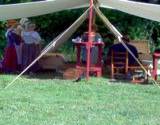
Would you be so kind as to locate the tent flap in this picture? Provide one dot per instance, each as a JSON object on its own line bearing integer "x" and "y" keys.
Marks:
{"x": 144, "y": 10}
{"x": 30, "y": 9}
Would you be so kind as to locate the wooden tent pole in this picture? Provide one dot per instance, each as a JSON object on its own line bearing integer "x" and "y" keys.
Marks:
{"x": 89, "y": 44}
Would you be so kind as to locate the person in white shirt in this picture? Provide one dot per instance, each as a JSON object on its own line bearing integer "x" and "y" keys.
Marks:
{"x": 31, "y": 47}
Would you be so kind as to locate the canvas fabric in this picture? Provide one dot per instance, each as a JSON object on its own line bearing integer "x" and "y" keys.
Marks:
{"x": 144, "y": 10}
{"x": 30, "y": 9}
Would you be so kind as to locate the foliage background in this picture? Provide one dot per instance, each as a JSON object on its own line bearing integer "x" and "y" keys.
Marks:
{"x": 50, "y": 25}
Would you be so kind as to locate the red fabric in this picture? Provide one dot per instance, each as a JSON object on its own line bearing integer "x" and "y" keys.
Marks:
{"x": 10, "y": 59}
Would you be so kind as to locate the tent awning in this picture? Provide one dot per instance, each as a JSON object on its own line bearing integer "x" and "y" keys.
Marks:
{"x": 144, "y": 10}
{"x": 30, "y": 9}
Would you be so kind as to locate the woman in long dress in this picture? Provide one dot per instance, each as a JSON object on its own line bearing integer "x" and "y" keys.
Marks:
{"x": 9, "y": 62}
{"x": 31, "y": 47}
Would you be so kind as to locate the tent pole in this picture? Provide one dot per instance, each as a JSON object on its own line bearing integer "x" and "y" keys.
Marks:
{"x": 89, "y": 43}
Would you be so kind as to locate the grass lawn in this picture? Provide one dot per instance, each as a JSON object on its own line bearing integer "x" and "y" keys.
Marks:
{"x": 62, "y": 102}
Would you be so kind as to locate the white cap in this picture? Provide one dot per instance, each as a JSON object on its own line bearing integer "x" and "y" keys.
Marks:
{"x": 23, "y": 21}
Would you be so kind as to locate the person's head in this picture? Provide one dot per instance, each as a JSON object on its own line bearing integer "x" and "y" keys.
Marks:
{"x": 23, "y": 21}
{"x": 31, "y": 27}
{"x": 125, "y": 39}
{"x": 11, "y": 23}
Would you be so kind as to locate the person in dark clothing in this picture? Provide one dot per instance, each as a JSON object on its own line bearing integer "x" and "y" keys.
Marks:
{"x": 9, "y": 62}
{"x": 120, "y": 48}
{"x": 96, "y": 37}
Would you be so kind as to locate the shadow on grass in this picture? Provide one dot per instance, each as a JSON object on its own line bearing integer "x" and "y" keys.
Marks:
{"x": 53, "y": 74}
{"x": 44, "y": 74}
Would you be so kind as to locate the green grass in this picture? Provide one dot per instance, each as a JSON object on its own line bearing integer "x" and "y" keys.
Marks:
{"x": 62, "y": 102}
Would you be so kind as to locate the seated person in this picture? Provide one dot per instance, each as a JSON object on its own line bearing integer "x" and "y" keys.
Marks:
{"x": 96, "y": 37}
{"x": 120, "y": 48}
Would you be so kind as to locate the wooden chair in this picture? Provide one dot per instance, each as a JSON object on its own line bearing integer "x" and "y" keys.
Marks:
{"x": 119, "y": 63}
{"x": 121, "y": 67}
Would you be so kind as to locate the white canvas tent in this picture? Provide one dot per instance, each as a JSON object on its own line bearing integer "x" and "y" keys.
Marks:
{"x": 14, "y": 11}
{"x": 29, "y": 9}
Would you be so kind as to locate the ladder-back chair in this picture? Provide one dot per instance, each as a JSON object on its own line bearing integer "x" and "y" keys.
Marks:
{"x": 119, "y": 63}
{"x": 120, "y": 67}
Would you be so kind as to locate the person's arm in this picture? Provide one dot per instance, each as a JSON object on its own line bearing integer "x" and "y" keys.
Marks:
{"x": 18, "y": 39}
{"x": 13, "y": 38}
{"x": 97, "y": 37}
{"x": 37, "y": 37}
